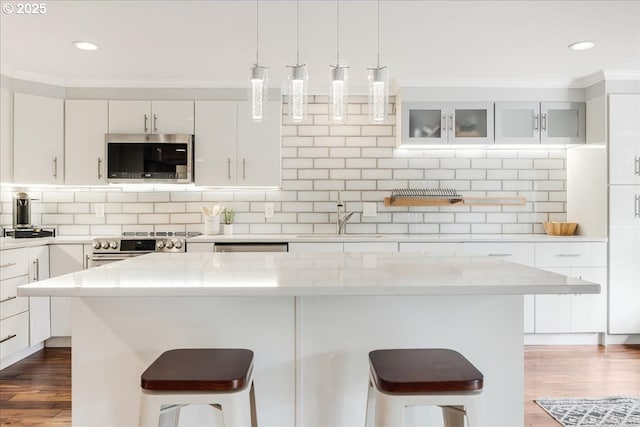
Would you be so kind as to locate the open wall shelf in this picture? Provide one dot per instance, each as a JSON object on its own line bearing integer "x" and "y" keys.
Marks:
{"x": 458, "y": 201}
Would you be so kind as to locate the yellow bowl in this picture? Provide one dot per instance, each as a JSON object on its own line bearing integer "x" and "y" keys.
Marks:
{"x": 560, "y": 228}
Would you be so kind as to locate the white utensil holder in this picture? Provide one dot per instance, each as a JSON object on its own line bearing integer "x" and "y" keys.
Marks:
{"x": 212, "y": 224}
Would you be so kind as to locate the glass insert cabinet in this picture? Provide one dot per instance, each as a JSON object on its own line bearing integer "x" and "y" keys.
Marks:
{"x": 540, "y": 122}
{"x": 439, "y": 123}
{"x": 424, "y": 123}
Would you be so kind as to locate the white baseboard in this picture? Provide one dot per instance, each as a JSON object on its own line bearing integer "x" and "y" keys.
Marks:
{"x": 623, "y": 339}
{"x": 58, "y": 342}
{"x": 562, "y": 339}
{"x": 18, "y": 356}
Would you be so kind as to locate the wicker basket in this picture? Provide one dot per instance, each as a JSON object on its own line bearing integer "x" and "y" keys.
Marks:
{"x": 560, "y": 228}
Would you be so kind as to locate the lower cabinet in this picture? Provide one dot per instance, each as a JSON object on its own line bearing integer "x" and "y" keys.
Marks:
{"x": 573, "y": 313}
{"x": 24, "y": 321}
{"x": 65, "y": 259}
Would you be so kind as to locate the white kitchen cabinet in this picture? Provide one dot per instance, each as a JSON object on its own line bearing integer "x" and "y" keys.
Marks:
{"x": 624, "y": 139}
{"x": 14, "y": 334}
{"x": 65, "y": 259}
{"x": 6, "y": 135}
{"x": 534, "y": 122}
{"x": 151, "y": 117}
{"x": 232, "y": 150}
{"x": 432, "y": 249}
{"x": 39, "y": 307}
{"x": 572, "y": 313}
{"x": 86, "y": 123}
{"x": 199, "y": 247}
{"x": 624, "y": 259}
{"x": 38, "y": 148}
{"x": 370, "y": 247}
{"x": 440, "y": 123}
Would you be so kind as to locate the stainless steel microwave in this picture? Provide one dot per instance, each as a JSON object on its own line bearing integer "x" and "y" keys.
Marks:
{"x": 160, "y": 158}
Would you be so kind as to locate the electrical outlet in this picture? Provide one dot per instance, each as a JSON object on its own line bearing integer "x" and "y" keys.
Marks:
{"x": 98, "y": 208}
{"x": 268, "y": 210}
{"x": 369, "y": 209}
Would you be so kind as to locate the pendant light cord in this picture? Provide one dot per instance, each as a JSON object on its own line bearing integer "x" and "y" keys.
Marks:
{"x": 257, "y": 37}
{"x": 337, "y": 33}
{"x": 297, "y": 32}
{"x": 378, "y": 33}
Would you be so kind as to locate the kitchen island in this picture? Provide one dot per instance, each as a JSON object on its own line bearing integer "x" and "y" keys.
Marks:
{"x": 310, "y": 318}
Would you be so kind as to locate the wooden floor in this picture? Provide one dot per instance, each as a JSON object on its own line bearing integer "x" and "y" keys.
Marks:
{"x": 37, "y": 390}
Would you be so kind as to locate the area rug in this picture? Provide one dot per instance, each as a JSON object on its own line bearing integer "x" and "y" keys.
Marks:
{"x": 605, "y": 411}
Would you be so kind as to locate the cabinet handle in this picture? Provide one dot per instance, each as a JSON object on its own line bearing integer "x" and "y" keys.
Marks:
{"x": 450, "y": 122}
{"x": 637, "y": 207}
{"x": 36, "y": 270}
{"x": 500, "y": 255}
{"x": 99, "y": 168}
{"x": 155, "y": 123}
{"x": 146, "y": 128}
{"x": 228, "y": 168}
{"x": 536, "y": 121}
{"x": 8, "y": 299}
{"x": 637, "y": 165}
{"x": 7, "y": 265}
{"x": 8, "y": 338}
{"x": 55, "y": 167}
{"x": 87, "y": 258}
{"x": 544, "y": 122}
{"x": 568, "y": 255}
{"x": 244, "y": 169}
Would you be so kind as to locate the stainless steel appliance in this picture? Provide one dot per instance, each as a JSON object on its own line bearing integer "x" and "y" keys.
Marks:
{"x": 251, "y": 247}
{"x": 21, "y": 211}
{"x": 107, "y": 250}
{"x": 149, "y": 158}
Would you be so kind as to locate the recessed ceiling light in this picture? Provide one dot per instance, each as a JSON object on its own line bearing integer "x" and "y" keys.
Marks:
{"x": 85, "y": 45}
{"x": 582, "y": 45}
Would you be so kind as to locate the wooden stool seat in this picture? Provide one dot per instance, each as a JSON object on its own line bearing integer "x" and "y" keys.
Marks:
{"x": 199, "y": 369}
{"x": 400, "y": 378}
{"x": 423, "y": 370}
{"x": 219, "y": 377}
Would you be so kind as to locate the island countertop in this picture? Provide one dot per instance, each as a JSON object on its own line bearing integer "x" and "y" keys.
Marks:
{"x": 308, "y": 274}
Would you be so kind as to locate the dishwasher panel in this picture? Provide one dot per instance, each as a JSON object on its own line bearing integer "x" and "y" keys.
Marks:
{"x": 251, "y": 247}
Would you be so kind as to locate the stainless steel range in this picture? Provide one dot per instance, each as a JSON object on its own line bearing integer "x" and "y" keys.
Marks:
{"x": 112, "y": 249}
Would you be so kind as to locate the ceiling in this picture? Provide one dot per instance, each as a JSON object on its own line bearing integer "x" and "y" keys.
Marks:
{"x": 212, "y": 43}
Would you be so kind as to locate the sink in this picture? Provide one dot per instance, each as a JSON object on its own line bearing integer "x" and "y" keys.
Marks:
{"x": 340, "y": 236}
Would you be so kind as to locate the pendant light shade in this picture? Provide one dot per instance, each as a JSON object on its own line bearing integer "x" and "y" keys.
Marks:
{"x": 298, "y": 85}
{"x": 258, "y": 83}
{"x": 338, "y": 87}
{"x": 378, "y": 87}
{"x": 298, "y": 80}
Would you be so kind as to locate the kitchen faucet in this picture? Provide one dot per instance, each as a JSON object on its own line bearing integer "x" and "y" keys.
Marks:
{"x": 341, "y": 219}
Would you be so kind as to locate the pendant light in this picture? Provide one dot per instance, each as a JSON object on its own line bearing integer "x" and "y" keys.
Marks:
{"x": 258, "y": 82}
{"x": 298, "y": 80}
{"x": 338, "y": 92}
{"x": 378, "y": 87}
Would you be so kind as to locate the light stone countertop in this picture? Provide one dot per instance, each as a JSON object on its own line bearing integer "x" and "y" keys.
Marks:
{"x": 307, "y": 274}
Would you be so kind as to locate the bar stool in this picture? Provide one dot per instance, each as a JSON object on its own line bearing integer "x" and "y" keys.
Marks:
{"x": 421, "y": 377}
{"x": 222, "y": 378}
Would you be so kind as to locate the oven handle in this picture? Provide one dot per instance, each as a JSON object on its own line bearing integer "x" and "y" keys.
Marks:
{"x": 114, "y": 257}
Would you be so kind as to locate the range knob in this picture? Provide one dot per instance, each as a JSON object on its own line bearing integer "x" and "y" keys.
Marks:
{"x": 160, "y": 244}
{"x": 169, "y": 244}
{"x": 113, "y": 244}
{"x": 96, "y": 244}
{"x": 104, "y": 245}
{"x": 178, "y": 244}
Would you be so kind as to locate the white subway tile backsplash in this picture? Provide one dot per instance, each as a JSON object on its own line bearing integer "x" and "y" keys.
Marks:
{"x": 75, "y": 230}
{"x": 154, "y": 197}
{"x": 90, "y": 197}
{"x": 424, "y": 163}
{"x": 297, "y": 163}
{"x": 313, "y": 173}
{"x": 344, "y": 152}
{"x": 297, "y": 141}
{"x": 329, "y": 184}
{"x": 57, "y": 197}
{"x": 362, "y": 141}
{"x": 548, "y": 164}
{"x": 466, "y": 217}
{"x": 455, "y": 228}
{"x": 186, "y": 196}
{"x": 486, "y": 228}
{"x": 153, "y": 218}
{"x": 486, "y": 163}
{"x": 169, "y": 207}
{"x": 343, "y": 130}
{"x": 377, "y": 152}
{"x": 360, "y": 185}
{"x": 548, "y": 185}
{"x": 424, "y": 228}
{"x": 73, "y": 207}
{"x": 313, "y": 218}
{"x": 345, "y": 174}
{"x": 329, "y": 163}
{"x": 313, "y": 152}
{"x": 122, "y": 219}
{"x": 517, "y": 228}
{"x": 377, "y": 173}
{"x": 455, "y": 163}
{"x": 328, "y": 141}
{"x": 106, "y": 230}
{"x": 517, "y": 164}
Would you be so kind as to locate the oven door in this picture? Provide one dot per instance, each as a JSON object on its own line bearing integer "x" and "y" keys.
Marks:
{"x": 149, "y": 158}
{"x": 97, "y": 260}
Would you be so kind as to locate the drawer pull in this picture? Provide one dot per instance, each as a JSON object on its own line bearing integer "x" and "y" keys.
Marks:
{"x": 500, "y": 255}
{"x": 8, "y": 299}
{"x": 568, "y": 255}
{"x": 8, "y": 265}
{"x": 8, "y": 338}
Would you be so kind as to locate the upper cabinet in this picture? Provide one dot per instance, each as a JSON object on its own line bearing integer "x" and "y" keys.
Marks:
{"x": 232, "y": 150}
{"x": 535, "y": 123}
{"x": 624, "y": 139}
{"x": 439, "y": 123}
{"x": 38, "y": 143}
{"x": 151, "y": 117}
{"x": 85, "y": 127}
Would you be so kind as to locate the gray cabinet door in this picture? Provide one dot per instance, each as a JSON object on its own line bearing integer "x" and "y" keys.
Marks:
{"x": 563, "y": 122}
{"x": 517, "y": 122}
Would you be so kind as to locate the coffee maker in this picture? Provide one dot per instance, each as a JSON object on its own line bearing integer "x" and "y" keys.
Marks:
{"x": 21, "y": 211}
{"x": 22, "y": 227}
